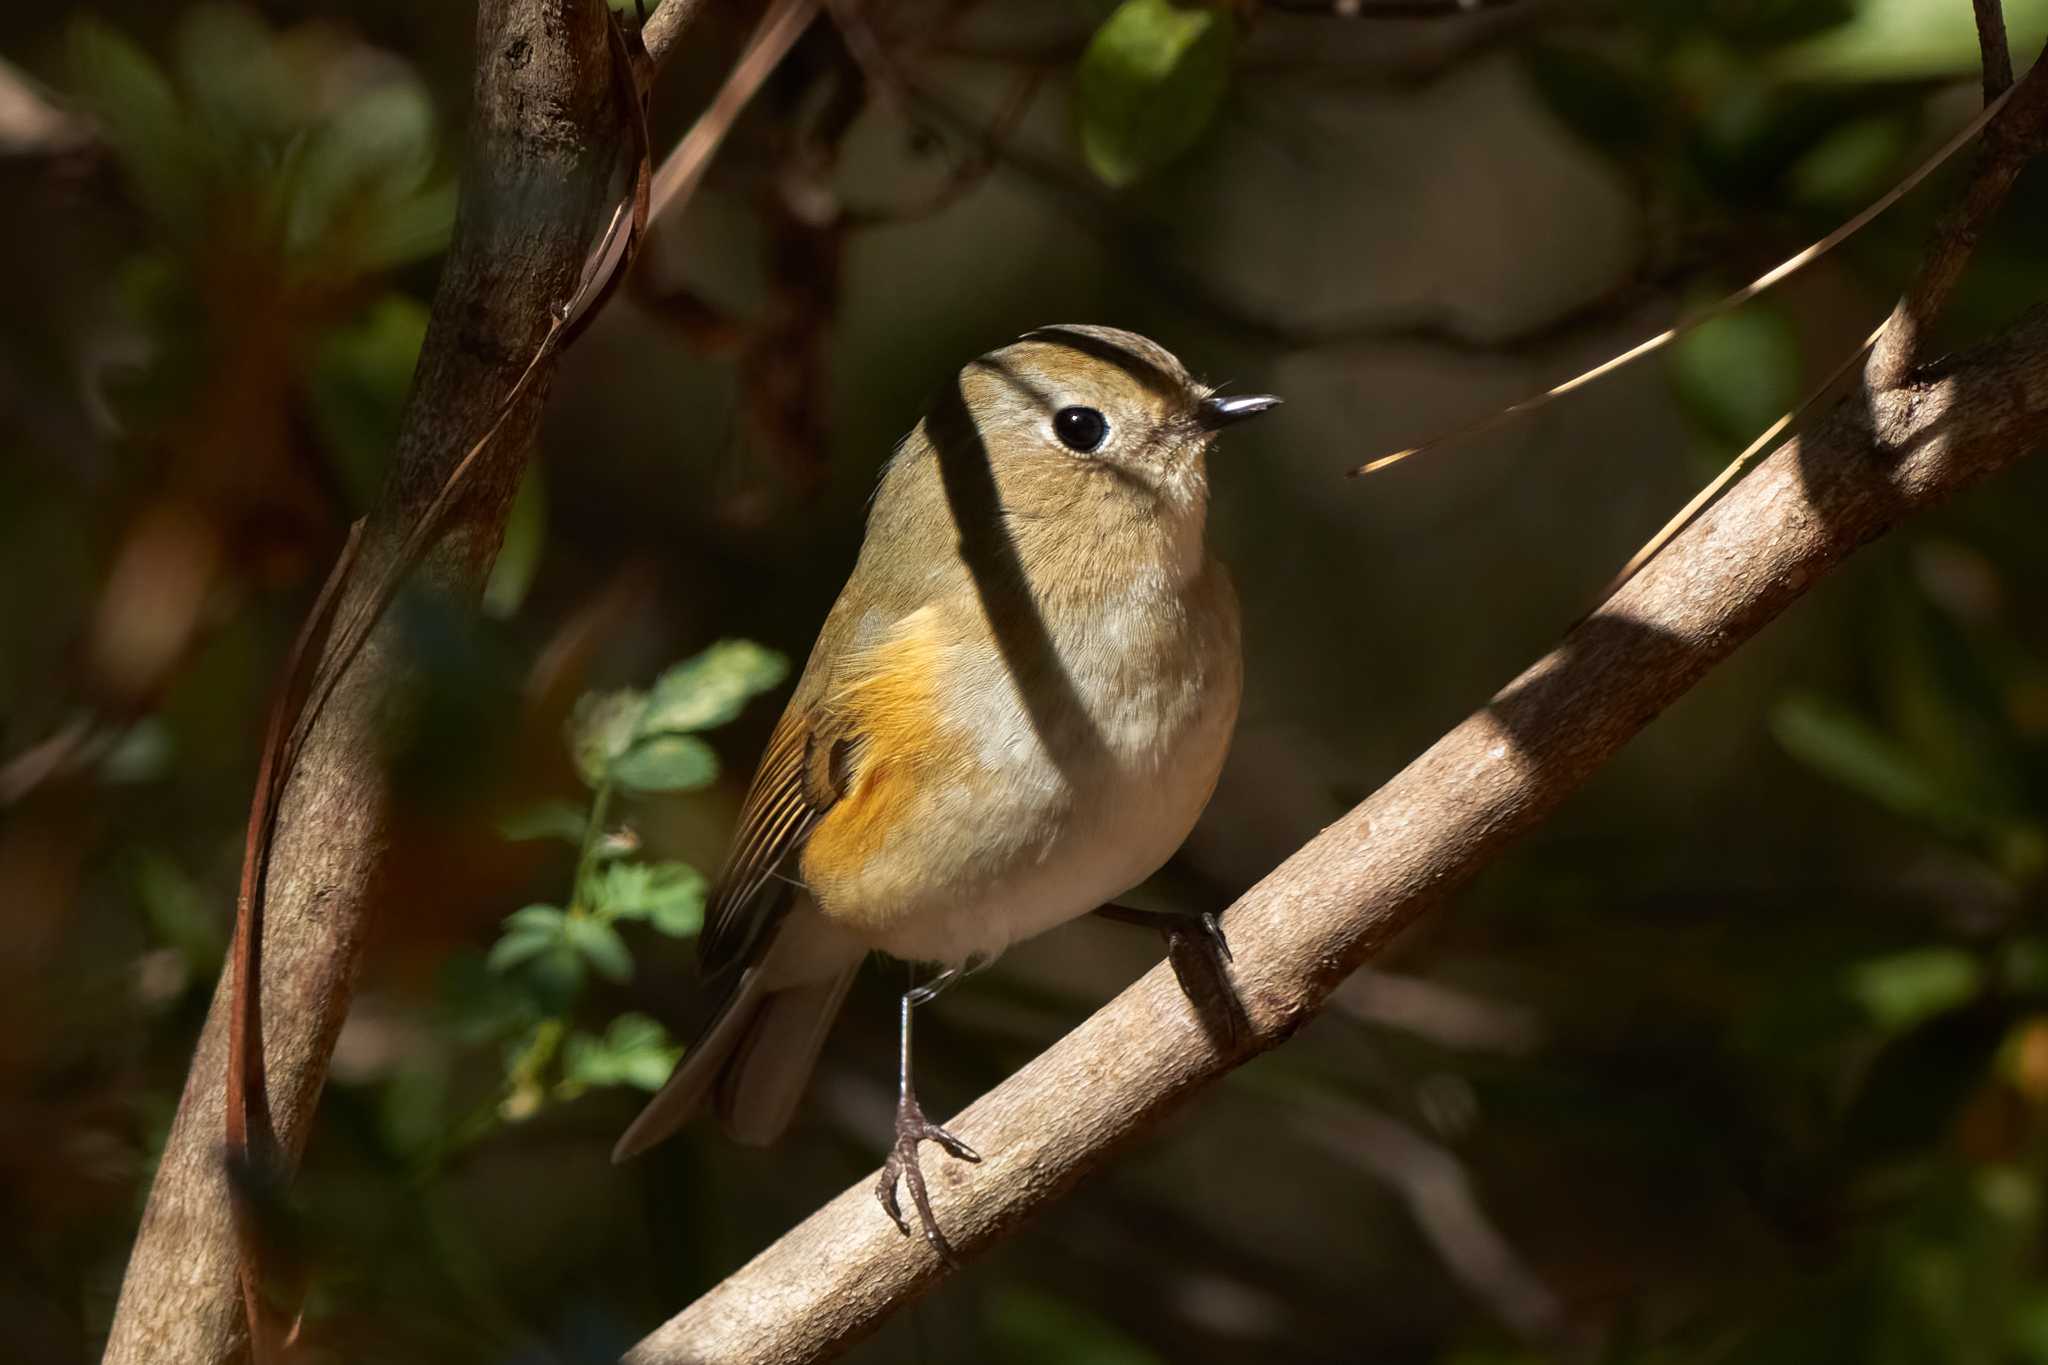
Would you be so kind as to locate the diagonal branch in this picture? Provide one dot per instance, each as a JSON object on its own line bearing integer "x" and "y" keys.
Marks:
{"x": 1902, "y": 445}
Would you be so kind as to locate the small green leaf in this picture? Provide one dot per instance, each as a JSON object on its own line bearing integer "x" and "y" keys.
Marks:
{"x": 1148, "y": 85}
{"x": 666, "y": 763}
{"x": 374, "y": 152}
{"x": 634, "y": 1051}
{"x": 536, "y": 917}
{"x": 1906, "y": 989}
{"x": 601, "y": 728}
{"x": 707, "y": 691}
{"x": 555, "y": 977}
{"x": 670, "y": 895}
{"x": 477, "y": 1005}
{"x": 548, "y": 820}
{"x": 529, "y": 932}
{"x": 521, "y": 945}
{"x": 600, "y": 946}
{"x": 141, "y": 118}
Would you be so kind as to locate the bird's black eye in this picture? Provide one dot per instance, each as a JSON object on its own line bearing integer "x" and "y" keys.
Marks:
{"x": 1080, "y": 429}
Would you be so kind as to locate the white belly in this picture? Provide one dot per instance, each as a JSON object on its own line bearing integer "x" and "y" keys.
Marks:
{"x": 1059, "y": 828}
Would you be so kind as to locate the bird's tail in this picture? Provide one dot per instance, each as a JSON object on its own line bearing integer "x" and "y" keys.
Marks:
{"x": 752, "y": 1060}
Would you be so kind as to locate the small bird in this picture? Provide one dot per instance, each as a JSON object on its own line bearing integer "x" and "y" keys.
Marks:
{"x": 1014, "y": 713}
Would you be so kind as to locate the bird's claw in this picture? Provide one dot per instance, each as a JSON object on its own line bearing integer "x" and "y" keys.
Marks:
{"x": 903, "y": 1167}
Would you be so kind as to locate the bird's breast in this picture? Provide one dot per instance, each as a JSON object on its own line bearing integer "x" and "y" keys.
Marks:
{"x": 1022, "y": 773}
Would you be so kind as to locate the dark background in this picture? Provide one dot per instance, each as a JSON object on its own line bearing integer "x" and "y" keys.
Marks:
{"x": 1742, "y": 1057}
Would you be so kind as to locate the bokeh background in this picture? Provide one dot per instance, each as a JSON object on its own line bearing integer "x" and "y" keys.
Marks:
{"x": 1744, "y": 1057}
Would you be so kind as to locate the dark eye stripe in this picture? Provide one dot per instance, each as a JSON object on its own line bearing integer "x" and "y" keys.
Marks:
{"x": 1081, "y": 429}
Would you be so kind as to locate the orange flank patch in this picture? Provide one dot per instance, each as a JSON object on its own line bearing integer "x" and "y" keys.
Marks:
{"x": 889, "y": 710}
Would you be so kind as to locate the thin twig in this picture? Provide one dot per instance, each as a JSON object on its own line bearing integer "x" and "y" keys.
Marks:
{"x": 777, "y": 32}
{"x": 1691, "y": 321}
{"x": 1991, "y": 41}
{"x": 2008, "y": 144}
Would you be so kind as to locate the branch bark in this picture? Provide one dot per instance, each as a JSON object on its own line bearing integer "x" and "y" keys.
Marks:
{"x": 1908, "y": 440}
{"x": 541, "y": 145}
{"x": 1331, "y": 906}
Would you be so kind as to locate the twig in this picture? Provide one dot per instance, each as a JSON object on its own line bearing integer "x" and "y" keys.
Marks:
{"x": 2008, "y": 144}
{"x": 1775, "y": 275}
{"x": 778, "y": 31}
{"x": 1991, "y": 40}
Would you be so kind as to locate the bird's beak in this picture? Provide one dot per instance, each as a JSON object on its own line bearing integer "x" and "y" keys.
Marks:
{"x": 1216, "y": 412}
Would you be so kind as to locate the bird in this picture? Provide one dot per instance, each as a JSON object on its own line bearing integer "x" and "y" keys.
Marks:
{"x": 1014, "y": 712}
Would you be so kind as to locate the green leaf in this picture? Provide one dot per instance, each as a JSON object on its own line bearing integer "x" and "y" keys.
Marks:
{"x": 1910, "y": 40}
{"x": 1738, "y": 373}
{"x": 1148, "y": 85}
{"x": 670, "y": 895}
{"x": 1905, "y": 990}
{"x": 477, "y": 1004}
{"x": 536, "y": 917}
{"x": 548, "y": 820}
{"x": 600, "y": 946}
{"x": 230, "y": 63}
{"x": 707, "y": 691}
{"x": 601, "y": 728}
{"x": 142, "y": 119}
{"x": 666, "y": 763}
{"x": 371, "y": 158}
{"x": 526, "y": 534}
{"x": 634, "y": 1051}
{"x": 1849, "y": 751}
{"x": 555, "y": 977}
{"x": 520, "y": 946}
{"x": 529, "y": 932}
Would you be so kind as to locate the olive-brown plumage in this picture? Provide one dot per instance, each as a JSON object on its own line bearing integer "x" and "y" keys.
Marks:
{"x": 1014, "y": 712}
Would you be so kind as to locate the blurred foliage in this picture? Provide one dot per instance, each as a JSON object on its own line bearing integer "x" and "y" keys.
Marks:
{"x": 1744, "y": 1058}
{"x": 1148, "y": 85}
{"x": 623, "y": 742}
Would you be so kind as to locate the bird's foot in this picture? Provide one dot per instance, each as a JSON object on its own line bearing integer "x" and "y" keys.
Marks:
{"x": 903, "y": 1167}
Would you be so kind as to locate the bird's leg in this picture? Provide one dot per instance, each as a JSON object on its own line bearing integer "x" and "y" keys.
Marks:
{"x": 1201, "y": 961}
{"x": 912, "y": 1127}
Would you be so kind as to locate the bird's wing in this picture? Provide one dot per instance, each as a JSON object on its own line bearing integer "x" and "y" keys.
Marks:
{"x": 803, "y": 773}
{"x": 782, "y": 806}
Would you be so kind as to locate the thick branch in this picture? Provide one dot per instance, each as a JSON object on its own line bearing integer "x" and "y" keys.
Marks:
{"x": 542, "y": 139}
{"x": 1298, "y": 933}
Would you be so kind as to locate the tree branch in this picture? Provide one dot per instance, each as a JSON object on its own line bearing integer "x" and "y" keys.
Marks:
{"x": 542, "y": 141}
{"x": 1901, "y": 445}
{"x": 2011, "y": 140}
